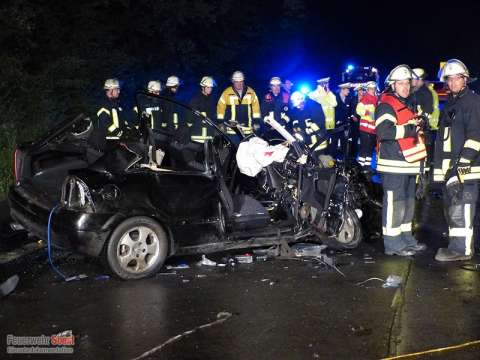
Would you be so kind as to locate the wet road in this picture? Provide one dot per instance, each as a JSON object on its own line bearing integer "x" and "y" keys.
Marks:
{"x": 281, "y": 309}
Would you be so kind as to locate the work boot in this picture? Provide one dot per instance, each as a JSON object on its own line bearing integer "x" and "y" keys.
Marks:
{"x": 404, "y": 252}
{"x": 418, "y": 247}
{"x": 445, "y": 254}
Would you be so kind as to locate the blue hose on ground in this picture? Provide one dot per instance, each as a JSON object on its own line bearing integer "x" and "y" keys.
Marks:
{"x": 49, "y": 243}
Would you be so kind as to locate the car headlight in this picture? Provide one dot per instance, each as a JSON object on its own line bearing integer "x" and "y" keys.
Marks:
{"x": 76, "y": 195}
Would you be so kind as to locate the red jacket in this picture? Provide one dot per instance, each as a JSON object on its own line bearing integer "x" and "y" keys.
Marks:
{"x": 366, "y": 110}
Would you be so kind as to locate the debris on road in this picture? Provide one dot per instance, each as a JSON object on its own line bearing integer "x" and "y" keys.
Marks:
{"x": 393, "y": 281}
{"x": 178, "y": 267}
{"x": 244, "y": 259}
{"x": 303, "y": 249}
{"x": 76, "y": 278}
{"x": 9, "y": 285}
{"x": 102, "y": 277}
{"x": 221, "y": 317}
{"x": 206, "y": 262}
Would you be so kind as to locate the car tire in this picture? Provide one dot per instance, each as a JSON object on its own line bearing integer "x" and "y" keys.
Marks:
{"x": 349, "y": 235}
{"x": 137, "y": 248}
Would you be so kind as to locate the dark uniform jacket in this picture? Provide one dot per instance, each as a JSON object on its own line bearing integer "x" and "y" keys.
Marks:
{"x": 390, "y": 156}
{"x": 423, "y": 98}
{"x": 458, "y": 140}
{"x": 206, "y": 104}
{"x": 111, "y": 119}
{"x": 311, "y": 122}
{"x": 276, "y": 105}
{"x": 343, "y": 110}
{"x": 172, "y": 114}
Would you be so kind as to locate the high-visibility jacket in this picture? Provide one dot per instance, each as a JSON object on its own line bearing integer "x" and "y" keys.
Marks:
{"x": 152, "y": 108}
{"x": 110, "y": 118}
{"x": 199, "y": 130}
{"x": 458, "y": 138}
{"x": 328, "y": 101}
{"x": 240, "y": 108}
{"x": 395, "y": 124}
{"x": 311, "y": 122}
{"x": 435, "y": 115}
{"x": 366, "y": 110}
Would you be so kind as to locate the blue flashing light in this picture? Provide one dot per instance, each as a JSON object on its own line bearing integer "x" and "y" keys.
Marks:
{"x": 350, "y": 67}
{"x": 304, "y": 89}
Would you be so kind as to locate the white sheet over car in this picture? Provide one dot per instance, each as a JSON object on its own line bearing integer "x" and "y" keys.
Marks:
{"x": 255, "y": 154}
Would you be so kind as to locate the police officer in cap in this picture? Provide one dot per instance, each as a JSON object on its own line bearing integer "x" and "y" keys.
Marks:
{"x": 343, "y": 118}
{"x": 401, "y": 151}
{"x": 456, "y": 160}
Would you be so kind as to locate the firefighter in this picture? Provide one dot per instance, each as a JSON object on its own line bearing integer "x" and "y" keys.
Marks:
{"x": 275, "y": 104}
{"x": 426, "y": 101}
{"x": 343, "y": 116}
{"x": 204, "y": 102}
{"x": 239, "y": 106}
{"x": 111, "y": 120}
{"x": 151, "y": 106}
{"x": 308, "y": 119}
{"x": 366, "y": 110}
{"x": 400, "y": 156}
{"x": 456, "y": 160}
{"x": 171, "y": 113}
{"x": 287, "y": 89}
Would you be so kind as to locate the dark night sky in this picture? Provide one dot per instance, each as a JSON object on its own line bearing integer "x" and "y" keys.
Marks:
{"x": 383, "y": 34}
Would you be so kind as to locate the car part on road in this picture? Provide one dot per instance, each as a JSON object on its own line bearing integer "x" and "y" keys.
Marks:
{"x": 9, "y": 285}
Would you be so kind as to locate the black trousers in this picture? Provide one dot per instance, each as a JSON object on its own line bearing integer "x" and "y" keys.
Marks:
{"x": 460, "y": 213}
{"x": 367, "y": 144}
{"x": 398, "y": 210}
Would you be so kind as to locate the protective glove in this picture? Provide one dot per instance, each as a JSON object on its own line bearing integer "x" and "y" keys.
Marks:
{"x": 454, "y": 186}
{"x": 421, "y": 187}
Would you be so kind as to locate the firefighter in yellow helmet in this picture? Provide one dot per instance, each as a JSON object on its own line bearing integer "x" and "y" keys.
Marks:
{"x": 457, "y": 160}
{"x": 204, "y": 102}
{"x": 239, "y": 106}
{"x": 110, "y": 117}
{"x": 400, "y": 156}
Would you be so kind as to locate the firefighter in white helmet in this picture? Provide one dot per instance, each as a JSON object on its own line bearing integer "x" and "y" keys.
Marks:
{"x": 308, "y": 119}
{"x": 172, "y": 114}
{"x": 457, "y": 160}
{"x": 239, "y": 106}
{"x": 400, "y": 157}
{"x": 275, "y": 105}
{"x": 151, "y": 106}
{"x": 112, "y": 122}
{"x": 204, "y": 102}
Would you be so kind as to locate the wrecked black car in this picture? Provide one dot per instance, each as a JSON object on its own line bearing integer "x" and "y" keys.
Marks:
{"x": 151, "y": 194}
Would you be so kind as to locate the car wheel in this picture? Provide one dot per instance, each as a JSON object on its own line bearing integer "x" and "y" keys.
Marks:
{"x": 137, "y": 248}
{"x": 349, "y": 235}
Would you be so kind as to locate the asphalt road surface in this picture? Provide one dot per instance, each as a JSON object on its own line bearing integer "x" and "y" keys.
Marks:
{"x": 278, "y": 309}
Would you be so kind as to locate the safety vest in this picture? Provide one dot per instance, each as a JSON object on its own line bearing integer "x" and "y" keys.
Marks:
{"x": 200, "y": 131}
{"x": 328, "y": 101}
{"x": 242, "y": 110}
{"x": 366, "y": 110}
{"x": 435, "y": 115}
{"x": 413, "y": 149}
